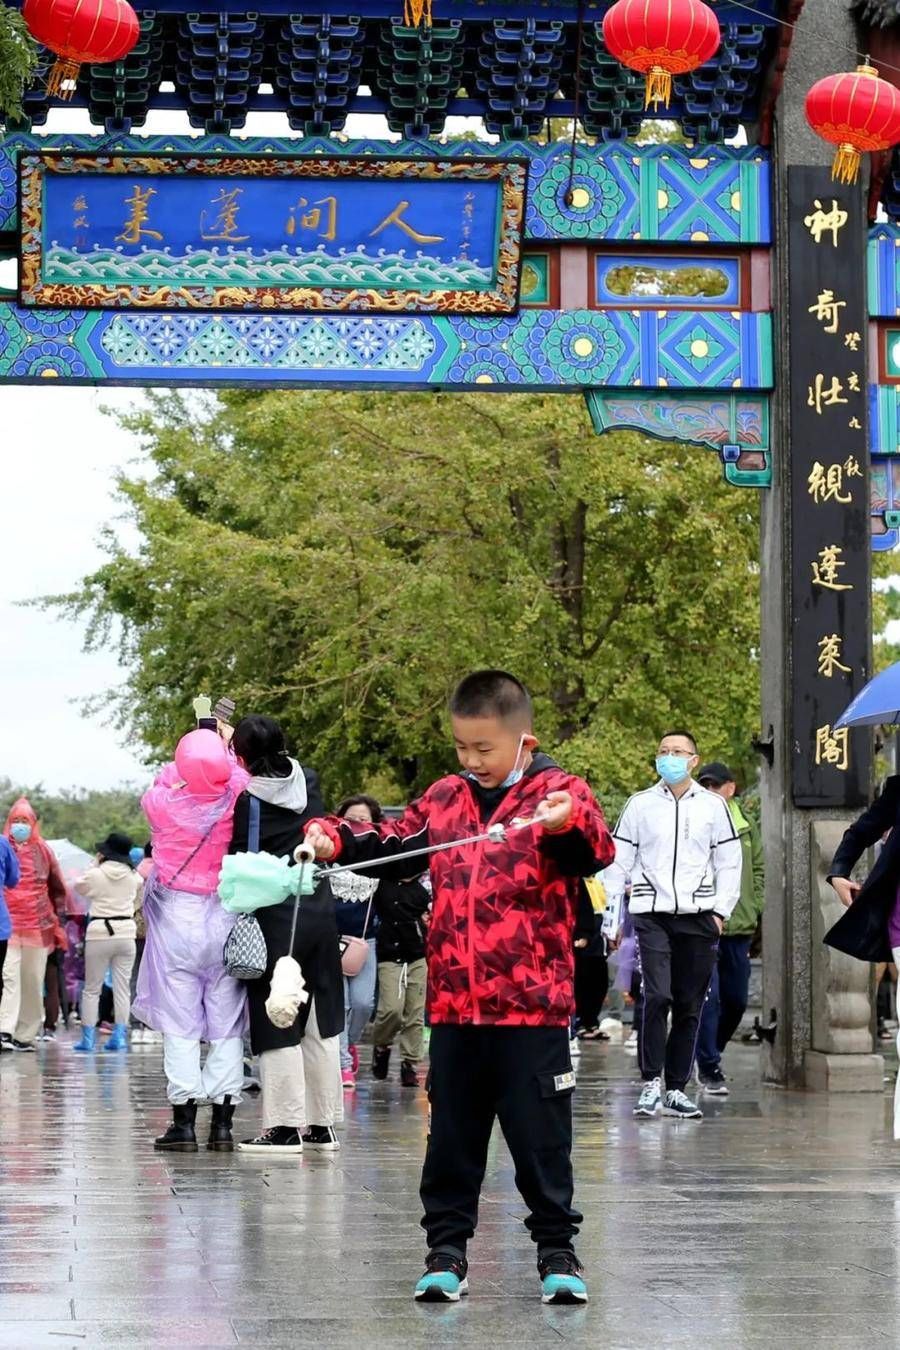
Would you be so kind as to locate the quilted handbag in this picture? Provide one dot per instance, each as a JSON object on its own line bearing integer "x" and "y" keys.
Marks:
{"x": 244, "y": 954}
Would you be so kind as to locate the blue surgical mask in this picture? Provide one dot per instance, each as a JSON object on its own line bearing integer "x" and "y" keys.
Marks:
{"x": 672, "y": 769}
{"x": 517, "y": 772}
{"x": 21, "y": 832}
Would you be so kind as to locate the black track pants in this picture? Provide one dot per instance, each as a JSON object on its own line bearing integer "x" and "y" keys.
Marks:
{"x": 521, "y": 1076}
{"x": 677, "y": 957}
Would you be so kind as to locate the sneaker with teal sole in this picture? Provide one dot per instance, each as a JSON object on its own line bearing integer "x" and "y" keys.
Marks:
{"x": 561, "y": 1278}
{"x": 444, "y": 1280}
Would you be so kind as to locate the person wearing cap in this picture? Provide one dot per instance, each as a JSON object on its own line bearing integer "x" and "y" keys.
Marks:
{"x": 726, "y": 1001}
{"x": 111, "y": 889}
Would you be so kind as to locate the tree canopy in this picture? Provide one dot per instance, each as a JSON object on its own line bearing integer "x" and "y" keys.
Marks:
{"x": 339, "y": 560}
{"x": 84, "y": 817}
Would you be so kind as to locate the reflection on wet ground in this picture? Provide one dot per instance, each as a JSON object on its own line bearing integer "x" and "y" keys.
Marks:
{"x": 774, "y": 1222}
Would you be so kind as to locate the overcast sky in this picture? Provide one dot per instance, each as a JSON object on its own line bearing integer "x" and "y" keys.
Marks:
{"x": 60, "y": 454}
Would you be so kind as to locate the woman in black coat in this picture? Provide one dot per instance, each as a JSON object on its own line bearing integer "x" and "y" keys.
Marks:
{"x": 299, "y": 1066}
{"x": 869, "y": 930}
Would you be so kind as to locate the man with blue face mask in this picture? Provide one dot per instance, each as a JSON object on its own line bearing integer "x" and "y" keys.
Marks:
{"x": 677, "y": 843}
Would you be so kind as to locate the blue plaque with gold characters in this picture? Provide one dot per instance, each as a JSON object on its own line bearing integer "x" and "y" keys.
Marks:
{"x": 264, "y": 233}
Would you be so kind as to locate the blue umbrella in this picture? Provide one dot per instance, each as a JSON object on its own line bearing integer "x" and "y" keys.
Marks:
{"x": 877, "y": 703}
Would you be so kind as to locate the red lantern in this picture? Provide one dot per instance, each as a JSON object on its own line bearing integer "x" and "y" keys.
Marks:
{"x": 856, "y": 112}
{"x": 661, "y": 38}
{"x": 80, "y": 31}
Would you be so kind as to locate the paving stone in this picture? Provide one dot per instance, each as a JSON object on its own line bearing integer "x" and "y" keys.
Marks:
{"x": 774, "y": 1222}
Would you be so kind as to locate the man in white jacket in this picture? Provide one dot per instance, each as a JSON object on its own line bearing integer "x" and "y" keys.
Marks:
{"x": 677, "y": 843}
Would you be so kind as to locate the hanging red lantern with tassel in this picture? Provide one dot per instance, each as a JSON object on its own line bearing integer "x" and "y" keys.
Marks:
{"x": 857, "y": 112}
{"x": 80, "y": 32}
{"x": 661, "y": 38}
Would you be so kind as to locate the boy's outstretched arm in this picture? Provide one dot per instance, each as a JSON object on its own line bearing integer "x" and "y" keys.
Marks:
{"x": 336, "y": 840}
{"x": 577, "y": 838}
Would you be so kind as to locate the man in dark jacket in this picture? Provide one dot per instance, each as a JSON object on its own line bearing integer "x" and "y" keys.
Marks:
{"x": 869, "y": 929}
{"x": 726, "y": 1001}
{"x": 400, "y": 946}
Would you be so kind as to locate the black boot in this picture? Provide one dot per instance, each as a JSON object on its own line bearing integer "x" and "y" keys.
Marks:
{"x": 220, "y": 1140}
{"x": 180, "y": 1136}
{"x": 408, "y": 1075}
{"x": 381, "y": 1058}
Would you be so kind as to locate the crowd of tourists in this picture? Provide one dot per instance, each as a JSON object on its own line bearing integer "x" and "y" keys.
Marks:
{"x": 492, "y": 907}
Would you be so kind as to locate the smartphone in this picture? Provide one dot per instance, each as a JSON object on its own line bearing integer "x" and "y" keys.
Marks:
{"x": 207, "y": 724}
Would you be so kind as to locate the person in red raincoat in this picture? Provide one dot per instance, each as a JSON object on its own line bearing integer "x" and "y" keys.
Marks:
{"x": 33, "y": 909}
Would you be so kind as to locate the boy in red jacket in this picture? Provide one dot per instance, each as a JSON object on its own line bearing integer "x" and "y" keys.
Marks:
{"x": 500, "y": 974}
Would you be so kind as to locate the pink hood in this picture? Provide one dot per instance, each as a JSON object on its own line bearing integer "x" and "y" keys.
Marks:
{"x": 179, "y": 821}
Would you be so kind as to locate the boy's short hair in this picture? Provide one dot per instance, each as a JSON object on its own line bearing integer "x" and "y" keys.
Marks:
{"x": 680, "y": 731}
{"x": 492, "y": 693}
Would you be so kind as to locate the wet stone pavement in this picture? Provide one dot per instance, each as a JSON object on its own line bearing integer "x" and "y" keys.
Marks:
{"x": 774, "y": 1222}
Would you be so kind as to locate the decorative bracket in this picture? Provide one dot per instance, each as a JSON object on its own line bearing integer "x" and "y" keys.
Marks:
{"x": 736, "y": 426}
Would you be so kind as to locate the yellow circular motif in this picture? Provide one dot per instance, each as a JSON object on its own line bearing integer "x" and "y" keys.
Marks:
{"x": 49, "y": 374}
{"x": 582, "y": 346}
{"x": 700, "y": 236}
{"x": 735, "y": 201}
{"x": 580, "y": 198}
{"x": 662, "y": 198}
{"x": 699, "y": 347}
{"x": 484, "y": 379}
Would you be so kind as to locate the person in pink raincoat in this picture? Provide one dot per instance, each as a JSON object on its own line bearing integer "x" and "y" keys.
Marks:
{"x": 183, "y": 990}
{"x": 33, "y": 906}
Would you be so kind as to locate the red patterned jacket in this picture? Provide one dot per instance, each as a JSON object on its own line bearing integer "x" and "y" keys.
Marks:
{"x": 500, "y": 939}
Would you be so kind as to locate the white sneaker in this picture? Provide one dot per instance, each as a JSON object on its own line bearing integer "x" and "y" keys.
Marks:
{"x": 677, "y": 1104}
{"x": 153, "y": 1037}
{"x": 138, "y": 1035}
{"x": 650, "y": 1100}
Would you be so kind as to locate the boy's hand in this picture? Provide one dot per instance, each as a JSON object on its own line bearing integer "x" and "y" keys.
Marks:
{"x": 319, "y": 841}
{"x": 555, "y": 811}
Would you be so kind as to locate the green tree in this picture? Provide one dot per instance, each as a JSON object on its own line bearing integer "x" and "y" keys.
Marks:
{"x": 18, "y": 62}
{"x": 338, "y": 560}
{"x": 80, "y": 815}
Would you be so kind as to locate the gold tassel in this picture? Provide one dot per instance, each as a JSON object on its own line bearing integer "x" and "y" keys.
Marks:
{"x": 845, "y": 165}
{"x": 658, "y": 87}
{"x": 62, "y": 79}
{"x": 417, "y": 13}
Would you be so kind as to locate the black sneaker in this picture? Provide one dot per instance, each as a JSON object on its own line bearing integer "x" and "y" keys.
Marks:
{"x": 322, "y": 1138}
{"x": 408, "y": 1074}
{"x": 562, "y": 1278}
{"x": 444, "y": 1279}
{"x": 381, "y": 1058}
{"x": 714, "y": 1083}
{"x": 5, "y": 1041}
{"x": 22, "y": 1048}
{"x": 279, "y": 1139}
